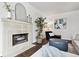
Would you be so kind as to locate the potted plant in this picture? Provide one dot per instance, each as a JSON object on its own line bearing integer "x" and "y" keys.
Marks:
{"x": 8, "y": 8}
{"x": 40, "y": 23}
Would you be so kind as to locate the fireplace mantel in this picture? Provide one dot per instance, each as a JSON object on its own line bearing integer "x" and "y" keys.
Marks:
{"x": 10, "y": 27}
{"x": 11, "y": 20}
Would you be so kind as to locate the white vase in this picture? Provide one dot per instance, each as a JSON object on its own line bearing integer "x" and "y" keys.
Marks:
{"x": 9, "y": 15}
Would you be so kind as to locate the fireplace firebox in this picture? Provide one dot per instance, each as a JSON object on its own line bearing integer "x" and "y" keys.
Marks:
{"x": 19, "y": 38}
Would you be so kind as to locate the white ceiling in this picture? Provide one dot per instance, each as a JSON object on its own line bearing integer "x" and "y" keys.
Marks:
{"x": 55, "y": 7}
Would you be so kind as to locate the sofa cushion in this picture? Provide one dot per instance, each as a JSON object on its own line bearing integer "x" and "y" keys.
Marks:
{"x": 60, "y": 44}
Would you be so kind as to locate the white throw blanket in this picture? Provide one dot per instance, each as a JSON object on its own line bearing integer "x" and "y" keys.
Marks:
{"x": 50, "y": 51}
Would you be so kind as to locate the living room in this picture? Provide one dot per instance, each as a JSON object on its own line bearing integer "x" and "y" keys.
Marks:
{"x": 18, "y": 27}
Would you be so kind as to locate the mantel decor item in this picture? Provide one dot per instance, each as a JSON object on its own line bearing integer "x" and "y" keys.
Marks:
{"x": 40, "y": 23}
{"x": 60, "y": 23}
{"x": 29, "y": 19}
{"x": 20, "y": 12}
{"x": 9, "y": 10}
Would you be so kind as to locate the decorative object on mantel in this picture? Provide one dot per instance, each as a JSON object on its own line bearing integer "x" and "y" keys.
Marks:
{"x": 40, "y": 25}
{"x": 9, "y": 10}
{"x": 29, "y": 19}
{"x": 60, "y": 23}
{"x": 20, "y": 12}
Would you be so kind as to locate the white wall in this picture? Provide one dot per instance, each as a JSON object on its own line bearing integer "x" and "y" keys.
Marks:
{"x": 72, "y": 24}
{"x": 30, "y": 10}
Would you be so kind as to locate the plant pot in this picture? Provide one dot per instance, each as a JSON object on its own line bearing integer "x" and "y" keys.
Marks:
{"x": 39, "y": 41}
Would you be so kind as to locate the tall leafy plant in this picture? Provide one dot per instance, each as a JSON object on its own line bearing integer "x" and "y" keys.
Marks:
{"x": 40, "y": 23}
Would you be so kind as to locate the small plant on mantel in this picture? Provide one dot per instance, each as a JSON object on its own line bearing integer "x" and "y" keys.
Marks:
{"x": 40, "y": 23}
{"x": 8, "y": 8}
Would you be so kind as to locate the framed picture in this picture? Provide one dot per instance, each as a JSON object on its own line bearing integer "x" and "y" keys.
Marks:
{"x": 60, "y": 23}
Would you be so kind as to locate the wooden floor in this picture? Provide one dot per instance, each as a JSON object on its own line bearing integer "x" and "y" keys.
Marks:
{"x": 29, "y": 52}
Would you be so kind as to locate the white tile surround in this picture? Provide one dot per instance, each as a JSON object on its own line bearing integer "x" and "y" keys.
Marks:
{"x": 15, "y": 27}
